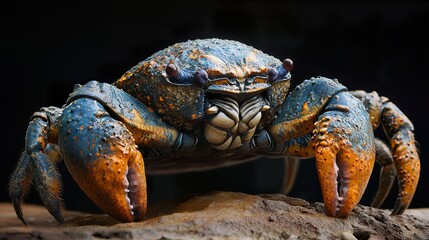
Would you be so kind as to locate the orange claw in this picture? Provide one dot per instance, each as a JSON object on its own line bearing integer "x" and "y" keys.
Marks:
{"x": 354, "y": 171}
{"x": 344, "y": 149}
{"x": 116, "y": 184}
{"x": 102, "y": 157}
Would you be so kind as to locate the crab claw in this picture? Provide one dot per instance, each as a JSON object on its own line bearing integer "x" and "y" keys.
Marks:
{"x": 344, "y": 145}
{"x": 116, "y": 184}
{"x": 101, "y": 155}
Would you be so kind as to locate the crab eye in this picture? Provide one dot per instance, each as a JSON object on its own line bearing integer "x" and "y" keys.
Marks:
{"x": 177, "y": 75}
{"x": 275, "y": 74}
{"x": 201, "y": 77}
{"x": 288, "y": 64}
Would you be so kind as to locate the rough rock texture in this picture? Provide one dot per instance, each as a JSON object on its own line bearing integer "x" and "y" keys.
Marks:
{"x": 222, "y": 215}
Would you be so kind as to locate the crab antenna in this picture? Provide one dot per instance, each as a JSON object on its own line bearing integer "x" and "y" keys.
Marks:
{"x": 178, "y": 75}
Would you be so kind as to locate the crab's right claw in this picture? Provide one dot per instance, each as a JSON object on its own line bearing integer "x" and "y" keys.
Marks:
{"x": 102, "y": 157}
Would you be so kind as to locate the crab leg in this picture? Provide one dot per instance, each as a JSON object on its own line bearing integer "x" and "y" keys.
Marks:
{"x": 37, "y": 165}
{"x": 291, "y": 165}
{"x": 19, "y": 184}
{"x": 387, "y": 172}
{"x": 399, "y": 130}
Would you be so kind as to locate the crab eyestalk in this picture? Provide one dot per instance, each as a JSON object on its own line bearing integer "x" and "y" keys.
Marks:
{"x": 177, "y": 75}
{"x": 272, "y": 74}
{"x": 275, "y": 74}
{"x": 201, "y": 77}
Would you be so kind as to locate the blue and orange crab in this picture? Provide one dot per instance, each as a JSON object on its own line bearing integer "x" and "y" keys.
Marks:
{"x": 208, "y": 103}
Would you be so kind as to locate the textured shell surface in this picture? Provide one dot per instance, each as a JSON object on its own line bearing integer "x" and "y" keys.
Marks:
{"x": 183, "y": 104}
{"x": 218, "y": 57}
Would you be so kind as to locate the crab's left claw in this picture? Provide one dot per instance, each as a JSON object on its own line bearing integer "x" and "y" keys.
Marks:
{"x": 343, "y": 141}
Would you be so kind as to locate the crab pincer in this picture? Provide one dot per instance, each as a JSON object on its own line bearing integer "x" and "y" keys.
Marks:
{"x": 102, "y": 157}
{"x": 100, "y": 135}
{"x": 344, "y": 150}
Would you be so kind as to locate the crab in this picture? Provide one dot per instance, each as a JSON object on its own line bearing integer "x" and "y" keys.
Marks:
{"x": 208, "y": 103}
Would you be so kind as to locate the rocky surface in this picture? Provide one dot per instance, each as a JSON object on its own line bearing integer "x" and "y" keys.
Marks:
{"x": 222, "y": 215}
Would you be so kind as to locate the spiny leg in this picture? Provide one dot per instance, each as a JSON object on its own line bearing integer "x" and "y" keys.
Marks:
{"x": 19, "y": 184}
{"x": 399, "y": 130}
{"x": 383, "y": 156}
{"x": 49, "y": 184}
{"x": 37, "y": 165}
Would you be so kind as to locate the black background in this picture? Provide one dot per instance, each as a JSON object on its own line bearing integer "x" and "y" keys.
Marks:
{"x": 47, "y": 48}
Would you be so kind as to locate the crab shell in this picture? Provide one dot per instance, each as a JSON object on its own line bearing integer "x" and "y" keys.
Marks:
{"x": 232, "y": 69}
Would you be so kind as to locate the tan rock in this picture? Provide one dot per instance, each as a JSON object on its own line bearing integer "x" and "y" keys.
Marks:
{"x": 222, "y": 215}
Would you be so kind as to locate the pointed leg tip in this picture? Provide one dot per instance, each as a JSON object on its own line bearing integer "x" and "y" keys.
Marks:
{"x": 23, "y": 220}
{"x": 376, "y": 203}
{"x": 399, "y": 209}
{"x": 56, "y": 213}
{"x": 17, "y": 207}
{"x": 60, "y": 219}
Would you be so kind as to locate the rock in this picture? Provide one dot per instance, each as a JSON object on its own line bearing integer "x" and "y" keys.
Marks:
{"x": 222, "y": 215}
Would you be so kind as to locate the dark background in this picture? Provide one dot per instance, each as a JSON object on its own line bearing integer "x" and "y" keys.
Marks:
{"x": 47, "y": 48}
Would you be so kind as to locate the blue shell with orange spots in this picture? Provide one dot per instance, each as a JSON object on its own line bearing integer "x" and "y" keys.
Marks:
{"x": 232, "y": 67}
